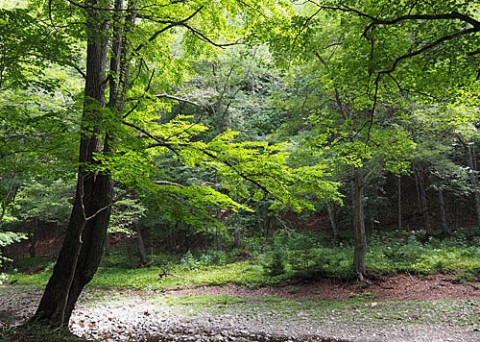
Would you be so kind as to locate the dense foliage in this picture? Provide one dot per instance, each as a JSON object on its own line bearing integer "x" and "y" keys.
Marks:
{"x": 206, "y": 125}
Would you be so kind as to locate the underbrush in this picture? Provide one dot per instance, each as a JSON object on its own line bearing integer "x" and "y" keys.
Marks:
{"x": 288, "y": 256}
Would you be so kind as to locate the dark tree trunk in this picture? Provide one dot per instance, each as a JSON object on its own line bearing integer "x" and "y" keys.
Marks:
{"x": 456, "y": 223}
{"x": 474, "y": 180}
{"x": 83, "y": 245}
{"x": 32, "y": 237}
{"x": 399, "y": 201}
{"x": 422, "y": 195}
{"x": 141, "y": 246}
{"x": 443, "y": 212}
{"x": 359, "y": 225}
{"x": 237, "y": 238}
{"x": 87, "y": 230}
{"x": 33, "y": 242}
{"x": 218, "y": 239}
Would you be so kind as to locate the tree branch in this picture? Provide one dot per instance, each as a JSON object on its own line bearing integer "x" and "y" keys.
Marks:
{"x": 161, "y": 143}
{"x": 171, "y": 24}
{"x": 165, "y": 96}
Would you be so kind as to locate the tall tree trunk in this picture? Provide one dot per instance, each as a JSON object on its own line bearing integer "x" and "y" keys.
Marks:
{"x": 456, "y": 223}
{"x": 32, "y": 237}
{"x": 443, "y": 212}
{"x": 399, "y": 201}
{"x": 141, "y": 245}
{"x": 333, "y": 221}
{"x": 359, "y": 225}
{"x": 237, "y": 238}
{"x": 423, "y": 202}
{"x": 83, "y": 245}
{"x": 474, "y": 180}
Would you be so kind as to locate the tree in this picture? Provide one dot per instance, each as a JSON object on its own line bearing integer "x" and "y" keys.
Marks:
{"x": 47, "y": 202}
{"x": 344, "y": 119}
{"x": 428, "y": 49}
{"x": 121, "y": 137}
{"x": 36, "y": 136}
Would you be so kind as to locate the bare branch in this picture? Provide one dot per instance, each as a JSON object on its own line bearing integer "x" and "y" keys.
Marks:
{"x": 176, "y": 98}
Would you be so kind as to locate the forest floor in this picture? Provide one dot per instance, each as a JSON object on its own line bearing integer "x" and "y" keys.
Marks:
{"x": 398, "y": 308}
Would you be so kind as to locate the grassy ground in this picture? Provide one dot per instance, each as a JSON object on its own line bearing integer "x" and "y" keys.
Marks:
{"x": 288, "y": 257}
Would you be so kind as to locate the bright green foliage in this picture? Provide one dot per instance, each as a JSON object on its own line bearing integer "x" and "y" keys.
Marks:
{"x": 28, "y": 51}
{"x": 126, "y": 212}
{"x": 8, "y": 238}
{"x": 239, "y": 165}
{"x": 49, "y": 202}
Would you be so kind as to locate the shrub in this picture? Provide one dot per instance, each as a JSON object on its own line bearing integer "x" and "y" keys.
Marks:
{"x": 213, "y": 257}
{"x": 188, "y": 262}
{"x": 275, "y": 264}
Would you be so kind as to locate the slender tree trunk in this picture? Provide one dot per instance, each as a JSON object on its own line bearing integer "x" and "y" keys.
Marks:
{"x": 218, "y": 239}
{"x": 237, "y": 238}
{"x": 83, "y": 245}
{"x": 359, "y": 225}
{"x": 456, "y": 223}
{"x": 10, "y": 195}
{"x": 423, "y": 203}
{"x": 141, "y": 245}
{"x": 443, "y": 212}
{"x": 333, "y": 221}
{"x": 32, "y": 236}
{"x": 474, "y": 180}
{"x": 399, "y": 201}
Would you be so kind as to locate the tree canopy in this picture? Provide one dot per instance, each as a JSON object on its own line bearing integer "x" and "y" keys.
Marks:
{"x": 182, "y": 111}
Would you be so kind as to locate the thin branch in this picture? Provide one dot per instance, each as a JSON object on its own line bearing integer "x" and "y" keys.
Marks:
{"x": 176, "y": 98}
{"x": 302, "y": 28}
{"x": 426, "y": 48}
{"x": 165, "y": 182}
{"x": 160, "y": 142}
{"x": 399, "y": 19}
{"x": 164, "y": 96}
{"x": 211, "y": 154}
{"x": 172, "y": 24}
{"x": 80, "y": 71}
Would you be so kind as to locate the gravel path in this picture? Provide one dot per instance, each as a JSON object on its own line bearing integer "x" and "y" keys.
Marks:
{"x": 155, "y": 316}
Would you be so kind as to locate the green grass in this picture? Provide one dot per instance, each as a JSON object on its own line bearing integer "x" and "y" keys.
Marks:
{"x": 241, "y": 273}
{"x": 302, "y": 257}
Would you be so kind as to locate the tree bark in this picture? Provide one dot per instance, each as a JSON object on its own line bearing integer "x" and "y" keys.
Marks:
{"x": 399, "y": 201}
{"x": 474, "y": 180}
{"x": 237, "y": 238}
{"x": 443, "y": 212}
{"x": 423, "y": 202}
{"x": 32, "y": 237}
{"x": 333, "y": 221}
{"x": 83, "y": 245}
{"x": 359, "y": 225}
{"x": 141, "y": 245}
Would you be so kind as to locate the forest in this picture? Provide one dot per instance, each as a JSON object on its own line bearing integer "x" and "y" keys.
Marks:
{"x": 240, "y": 158}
